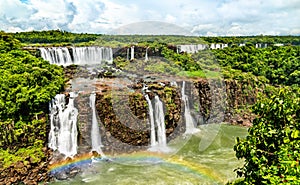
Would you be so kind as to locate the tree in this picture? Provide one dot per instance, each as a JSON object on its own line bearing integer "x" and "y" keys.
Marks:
{"x": 272, "y": 148}
{"x": 27, "y": 84}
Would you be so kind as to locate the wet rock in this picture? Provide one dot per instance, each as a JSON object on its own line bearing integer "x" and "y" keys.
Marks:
{"x": 61, "y": 176}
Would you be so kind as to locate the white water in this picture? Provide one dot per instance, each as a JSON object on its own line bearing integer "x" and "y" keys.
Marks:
{"x": 132, "y": 53}
{"x": 174, "y": 84}
{"x": 79, "y": 55}
{"x": 261, "y": 45}
{"x": 194, "y": 48}
{"x": 160, "y": 121}
{"x": 127, "y": 53}
{"x": 158, "y": 137}
{"x": 191, "y": 48}
{"x": 146, "y": 55}
{"x": 56, "y": 106}
{"x": 152, "y": 125}
{"x": 95, "y": 134}
{"x": 189, "y": 121}
{"x": 63, "y": 121}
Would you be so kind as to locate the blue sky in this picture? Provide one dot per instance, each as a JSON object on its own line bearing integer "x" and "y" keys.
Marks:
{"x": 198, "y": 17}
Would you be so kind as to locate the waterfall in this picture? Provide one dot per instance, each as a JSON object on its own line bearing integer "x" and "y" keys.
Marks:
{"x": 160, "y": 121}
{"x": 63, "y": 121}
{"x": 213, "y": 46}
{"x": 56, "y": 106}
{"x": 152, "y": 125}
{"x": 127, "y": 54}
{"x": 56, "y": 55}
{"x": 95, "y": 134}
{"x": 224, "y": 46}
{"x": 132, "y": 53}
{"x": 77, "y": 55}
{"x": 146, "y": 55}
{"x": 158, "y": 137}
{"x": 174, "y": 84}
{"x": 92, "y": 55}
{"x": 191, "y": 48}
{"x": 189, "y": 122}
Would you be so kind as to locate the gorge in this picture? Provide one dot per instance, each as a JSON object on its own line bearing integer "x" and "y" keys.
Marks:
{"x": 104, "y": 112}
{"x": 153, "y": 113}
{"x": 114, "y": 109}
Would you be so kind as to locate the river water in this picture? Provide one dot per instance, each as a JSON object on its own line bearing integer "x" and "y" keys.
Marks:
{"x": 189, "y": 163}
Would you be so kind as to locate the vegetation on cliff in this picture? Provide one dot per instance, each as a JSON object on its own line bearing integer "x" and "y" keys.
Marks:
{"x": 27, "y": 85}
{"x": 272, "y": 147}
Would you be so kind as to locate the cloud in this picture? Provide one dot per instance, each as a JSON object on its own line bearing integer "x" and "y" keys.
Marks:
{"x": 243, "y": 17}
{"x": 151, "y": 28}
{"x": 206, "y": 17}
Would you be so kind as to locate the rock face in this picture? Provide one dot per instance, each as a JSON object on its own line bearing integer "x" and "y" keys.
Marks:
{"x": 140, "y": 52}
{"x": 28, "y": 171}
{"x": 226, "y": 97}
{"x": 122, "y": 117}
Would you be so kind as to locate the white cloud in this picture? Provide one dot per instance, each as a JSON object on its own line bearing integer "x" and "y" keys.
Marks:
{"x": 14, "y": 9}
{"x": 225, "y": 17}
{"x": 171, "y": 19}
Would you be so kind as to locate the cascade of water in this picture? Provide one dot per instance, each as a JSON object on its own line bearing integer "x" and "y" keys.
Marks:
{"x": 63, "y": 121}
{"x": 191, "y": 48}
{"x": 158, "y": 137}
{"x": 152, "y": 125}
{"x": 189, "y": 122}
{"x": 213, "y": 46}
{"x": 56, "y": 55}
{"x": 146, "y": 55}
{"x": 56, "y": 107}
{"x": 160, "y": 121}
{"x": 132, "y": 53}
{"x": 95, "y": 134}
{"x": 127, "y": 54}
{"x": 92, "y": 55}
{"x": 174, "y": 84}
{"x": 79, "y": 55}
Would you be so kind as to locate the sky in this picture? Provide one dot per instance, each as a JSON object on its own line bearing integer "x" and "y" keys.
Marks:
{"x": 196, "y": 17}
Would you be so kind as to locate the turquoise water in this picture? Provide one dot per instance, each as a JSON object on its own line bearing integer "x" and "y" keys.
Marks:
{"x": 204, "y": 158}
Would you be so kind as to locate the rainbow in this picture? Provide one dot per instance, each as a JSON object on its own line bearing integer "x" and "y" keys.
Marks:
{"x": 144, "y": 157}
{"x": 69, "y": 163}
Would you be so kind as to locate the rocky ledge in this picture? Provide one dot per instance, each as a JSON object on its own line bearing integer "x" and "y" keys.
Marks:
{"x": 27, "y": 171}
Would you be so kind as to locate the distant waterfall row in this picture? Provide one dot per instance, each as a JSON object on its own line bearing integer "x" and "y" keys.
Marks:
{"x": 77, "y": 55}
{"x": 194, "y": 48}
{"x": 130, "y": 53}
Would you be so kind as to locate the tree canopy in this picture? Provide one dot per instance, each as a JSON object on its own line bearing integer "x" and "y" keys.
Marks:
{"x": 27, "y": 84}
{"x": 272, "y": 148}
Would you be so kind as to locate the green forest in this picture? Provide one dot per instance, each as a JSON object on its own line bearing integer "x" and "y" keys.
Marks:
{"x": 27, "y": 85}
{"x": 271, "y": 150}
